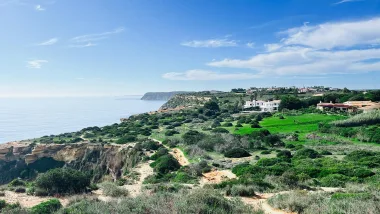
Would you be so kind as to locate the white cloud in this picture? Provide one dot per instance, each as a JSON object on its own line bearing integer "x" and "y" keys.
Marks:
{"x": 346, "y": 1}
{"x": 307, "y": 61}
{"x": 335, "y": 35}
{"x": 329, "y": 48}
{"x": 36, "y": 64}
{"x": 207, "y": 75}
{"x": 96, "y": 36}
{"x": 272, "y": 47}
{"x": 84, "y": 45}
{"x": 250, "y": 44}
{"x": 39, "y": 8}
{"x": 51, "y": 41}
{"x": 211, "y": 43}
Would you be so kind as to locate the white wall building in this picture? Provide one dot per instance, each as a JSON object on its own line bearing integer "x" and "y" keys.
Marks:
{"x": 269, "y": 106}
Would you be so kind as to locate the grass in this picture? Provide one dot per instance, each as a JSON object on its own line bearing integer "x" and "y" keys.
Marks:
{"x": 305, "y": 123}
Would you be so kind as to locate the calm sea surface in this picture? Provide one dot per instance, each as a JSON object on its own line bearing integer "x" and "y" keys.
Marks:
{"x": 25, "y": 118}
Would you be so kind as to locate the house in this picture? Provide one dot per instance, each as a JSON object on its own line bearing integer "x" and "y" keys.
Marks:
{"x": 268, "y": 106}
{"x": 360, "y": 104}
{"x": 336, "y": 106}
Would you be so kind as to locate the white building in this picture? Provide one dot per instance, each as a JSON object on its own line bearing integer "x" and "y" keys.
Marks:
{"x": 269, "y": 106}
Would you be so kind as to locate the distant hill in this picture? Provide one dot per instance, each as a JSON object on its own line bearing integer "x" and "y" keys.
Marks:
{"x": 162, "y": 95}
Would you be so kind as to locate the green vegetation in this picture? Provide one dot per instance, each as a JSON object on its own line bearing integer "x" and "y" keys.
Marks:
{"x": 62, "y": 180}
{"x": 112, "y": 190}
{"x": 369, "y": 118}
{"x": 47, "y": 207}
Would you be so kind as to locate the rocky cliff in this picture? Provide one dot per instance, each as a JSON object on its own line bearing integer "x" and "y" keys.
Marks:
{"x": 161, "y": 95}
{"x": 185, "y": 100}
{"x": 25, "y": 159}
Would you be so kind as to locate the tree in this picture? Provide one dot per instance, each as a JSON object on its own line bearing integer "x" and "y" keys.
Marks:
{"x": 291, "y": 102}
{"x": 211, "y": 105}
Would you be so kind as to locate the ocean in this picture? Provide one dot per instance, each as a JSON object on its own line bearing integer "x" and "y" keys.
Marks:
{"x": 26, "y": 118}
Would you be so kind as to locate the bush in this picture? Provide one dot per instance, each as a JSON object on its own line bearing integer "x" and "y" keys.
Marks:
{"x": 325, "y": 152}
{"x": 47, "y": 207}
{"x": 220, "y": 130}
{"x": 20, "y": 189}
{"x": 192, "y": 137}
{"x": 2, "y": 194}
{"x": 306, "y": 153}
{"x": 126, "y": 139}
{"x": 236, "y": 153}
{"x": 284, "y": 154}
{"x": 63, "y": 180}
{"x": 369, "y": 118}
{"x": 241, "y": 190}
{"x": 112, "y": 190}
{"x": 334, "y": 180}
{"x": 160, "y": 152}
{"x": 266, "y": 152}
{"x": 171, "y": 132}
{"x": 16, "y": 182}
{"x": 273, "y": 141}
{"x": 165, "y": 164}
{"x": 228, "y": 124}
{"x": 150, "y": 145}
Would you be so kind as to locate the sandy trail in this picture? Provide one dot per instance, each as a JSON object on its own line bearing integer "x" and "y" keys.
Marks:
{"x": 176, "y": 153}
{"x": 181, "y": 158}
{"x": 144, "y": 171}
{"x": 216, "y": 176}
{"x": 28, "y": 201}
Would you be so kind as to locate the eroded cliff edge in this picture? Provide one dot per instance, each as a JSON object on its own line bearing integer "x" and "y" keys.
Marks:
{"x": 25, "y": 159}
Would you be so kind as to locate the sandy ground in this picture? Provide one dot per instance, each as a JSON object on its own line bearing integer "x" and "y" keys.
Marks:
{"x": 216, "y": 176}
{"x": 144, "y": 170}
{"x": 28, "y": 200}
{"x": 178, "y": 154}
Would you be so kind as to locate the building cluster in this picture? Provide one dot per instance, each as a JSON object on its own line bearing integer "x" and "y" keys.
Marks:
{"x": 349, "y": 106}
{"x": 265, "y": 106}
{"x": 274, "y": 89}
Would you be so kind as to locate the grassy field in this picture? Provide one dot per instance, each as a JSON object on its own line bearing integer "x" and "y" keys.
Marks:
{"x": 305, "y": 123}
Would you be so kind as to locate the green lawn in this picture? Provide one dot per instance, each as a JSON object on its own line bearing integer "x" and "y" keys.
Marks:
{"x": 303, "y": 123}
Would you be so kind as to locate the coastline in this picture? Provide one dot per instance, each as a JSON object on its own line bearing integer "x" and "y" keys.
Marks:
{"x": 26, "y": 119}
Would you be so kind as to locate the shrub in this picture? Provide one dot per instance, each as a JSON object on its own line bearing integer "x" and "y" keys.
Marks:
{"x": 126, "y": 139}
{"x": 334, "y": 180}
{"x": 325, "y": 152}
{"x": 228, "y": 124}
{"x": 284, "y": 154}
{"x": 20, "y": 189}
{"x": 2, "y": 194}
{"x": 266, "y": 152}
{"x": 273, "y": 141}
{"x": 306, "y": 153}
{"x": 236, "y": 153}
{"x": 150, "y": 145}
{"x": 241, "y": 190}
{"x": 47, "y": 207}
{"x": 370, "y": 118}
{"x": 112, "y": 190}
{"x": 165, "y": 164}
{"x": 63, "y": 180}
{"x": 16, "y": 182}
{"x": 171, "y": 132}
{"x": 160, "y": 152}
{"x": 192, "y": 137}
{"x": 220, "y": 130}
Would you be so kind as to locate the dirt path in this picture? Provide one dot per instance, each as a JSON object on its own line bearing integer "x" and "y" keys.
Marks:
{"x": 181, "y": 158}
{"x": 261, "y": 202}
{"x": 177, "y": 154}
{"x": 216, "y": 176}
{"x": 28, "y": 201}
{"x": 144, "y": 171}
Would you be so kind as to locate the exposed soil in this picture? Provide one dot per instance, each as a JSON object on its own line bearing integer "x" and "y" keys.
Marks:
{"x": 216, "y": 176}
{"x": 28, "y": 201}
{"x": 178, "y": 154}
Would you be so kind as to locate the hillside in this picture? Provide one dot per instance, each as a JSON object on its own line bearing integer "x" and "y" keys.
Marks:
{"x": 161, "y": 95}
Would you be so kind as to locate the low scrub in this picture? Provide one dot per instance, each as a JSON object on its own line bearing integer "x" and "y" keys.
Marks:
{"x": 369, "y": 118}
{"x": 47, "y": 207}
{"x": 112, "y": 190}
{"x": 236, "y": 153}
{"x": 62, "y": 181}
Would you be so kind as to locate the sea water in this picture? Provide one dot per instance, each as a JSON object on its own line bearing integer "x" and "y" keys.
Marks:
{"x": 26, "y": 118}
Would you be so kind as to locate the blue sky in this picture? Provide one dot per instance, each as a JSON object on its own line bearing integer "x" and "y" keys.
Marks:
{"x": 121, "y": 47}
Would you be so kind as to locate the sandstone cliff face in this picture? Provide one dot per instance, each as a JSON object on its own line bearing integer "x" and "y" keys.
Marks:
{"x": 97, "y": 159}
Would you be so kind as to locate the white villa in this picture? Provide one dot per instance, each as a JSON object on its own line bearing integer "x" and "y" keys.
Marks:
{"x": 269, "y": 106}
